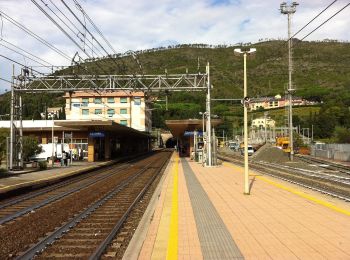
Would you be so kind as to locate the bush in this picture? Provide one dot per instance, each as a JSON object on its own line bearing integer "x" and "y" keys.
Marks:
{"x": 42, "y": 165}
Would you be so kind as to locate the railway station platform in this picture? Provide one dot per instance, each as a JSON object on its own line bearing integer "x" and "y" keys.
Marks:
{"x": 202, "y": 213}
{"x": 35, "y": 178}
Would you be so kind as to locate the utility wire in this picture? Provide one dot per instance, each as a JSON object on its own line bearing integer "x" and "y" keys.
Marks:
{"x": 325, "y": 21}
{"x": 82, "y": 24}
{"x": 312, "y": 20}
{"x": 77, "y": 34}
{"x": 15, "y": 46}
{"x": 18, "y": 63}
{"x": 37, "y": 37}
{"x": 93, "y": 24}
{"x": 60, "y": 27}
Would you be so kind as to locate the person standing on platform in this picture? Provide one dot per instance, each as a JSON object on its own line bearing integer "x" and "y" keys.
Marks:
{"x": 64, "y": 158}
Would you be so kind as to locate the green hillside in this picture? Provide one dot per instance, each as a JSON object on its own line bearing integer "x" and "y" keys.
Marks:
{"x": 321, "y": 72}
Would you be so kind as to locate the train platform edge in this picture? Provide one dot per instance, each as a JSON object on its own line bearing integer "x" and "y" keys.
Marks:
{"x": 199, "y": 212}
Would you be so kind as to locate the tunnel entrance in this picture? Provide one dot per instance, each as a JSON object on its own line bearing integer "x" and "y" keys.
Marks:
{"x": 170, "y": 143}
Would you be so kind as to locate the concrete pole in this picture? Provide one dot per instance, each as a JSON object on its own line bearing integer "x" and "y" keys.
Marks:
{"x": 53, "y": 142}
{"x": 209, "y": 162}
{"x": 20, "y": 134}
{"x": 290, "y": 88}
{"x": 12, "y": 117}
{"x": 246, "y": 174}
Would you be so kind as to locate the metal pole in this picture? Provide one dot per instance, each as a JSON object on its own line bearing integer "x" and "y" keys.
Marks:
{"x": 265, "y": 127}
{"x": 246, "y": 174}
{"x": 20, "y": 134}
{"x": 53, "y": 142}
{"x": 312, "y": 133}
{"x": 209, "y": 120}
{"x": 290, "y": 89}
{"x": 11, "y": 119}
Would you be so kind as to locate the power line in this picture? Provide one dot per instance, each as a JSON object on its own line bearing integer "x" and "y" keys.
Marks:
{"x": 15, "y": 46}
{"x": 93, "y": 24}
{"x": 59, "y": 26}
{"x": 325, "y": 21}
{"x": 313, "y": 19}
{"x": 77, "y": 34}
{"x": 37, "y": 37}
{"x": 18, "y": 63}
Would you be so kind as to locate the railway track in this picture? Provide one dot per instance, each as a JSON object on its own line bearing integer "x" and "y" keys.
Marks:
{"x": 85, "y": 221}
{"x": 325, "y": 164}
{"x": 21, "y": 205}
{"x": 331, "y": 184}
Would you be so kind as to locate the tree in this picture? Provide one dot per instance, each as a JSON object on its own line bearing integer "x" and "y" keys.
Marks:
{"x": 4, "y": 133}
{"x": 342, "y": 135}
{"x": 30, "y": 147}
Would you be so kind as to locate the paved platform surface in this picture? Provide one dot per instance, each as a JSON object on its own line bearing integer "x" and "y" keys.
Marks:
{"x": 28, "y": 179}
{"x": 202, "y": 213}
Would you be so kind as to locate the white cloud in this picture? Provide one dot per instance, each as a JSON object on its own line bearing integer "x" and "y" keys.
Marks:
{"x": 141, "y": 24}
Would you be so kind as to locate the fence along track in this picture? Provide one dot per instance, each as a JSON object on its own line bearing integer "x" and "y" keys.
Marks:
{"x": 88, "y": 233}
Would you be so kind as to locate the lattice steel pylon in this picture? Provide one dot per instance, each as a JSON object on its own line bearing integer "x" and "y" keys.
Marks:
{"x": 148, "y": 84}
{"x": 16, "y": 127}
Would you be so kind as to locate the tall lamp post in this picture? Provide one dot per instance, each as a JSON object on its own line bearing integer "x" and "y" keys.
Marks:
{"x": 289, "y": 10}
{"x": 245, "y": 104}
{"x": 52, "y": 136}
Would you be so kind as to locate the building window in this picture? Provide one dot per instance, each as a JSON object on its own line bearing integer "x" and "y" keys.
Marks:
{"x": 98, "y": 111}
{"x": 123, "y": 100}
{"x": 123, "y": 122}
{"x": 137, "y": 101}
{"x": 270, "y": 104}
{"x": 84, "y": 102}
{"x": 110, "y": 100}
{"x": 85, "y": 112}
{"x": 110, "y": 112}
{"x": 276, "y": 103}
{"x": 123, "y": 111}
{"x": 98, "y": 100}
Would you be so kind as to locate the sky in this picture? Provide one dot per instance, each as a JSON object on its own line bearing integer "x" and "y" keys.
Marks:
{"x": 145, "y": 24}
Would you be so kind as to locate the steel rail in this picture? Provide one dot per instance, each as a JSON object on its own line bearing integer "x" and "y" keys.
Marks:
{"x": 103, "y": 246}
{"x": 336, "y": 166}
{"x": 71, "y": 180}
{"x": 55, "y": 198}
{"x": 267, "y": 171}
{"x": 50, "y": 239}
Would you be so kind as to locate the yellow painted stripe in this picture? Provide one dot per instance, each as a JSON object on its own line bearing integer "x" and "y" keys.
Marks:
{"x": 301, "y": 194}
{"x": 173, "y": 234}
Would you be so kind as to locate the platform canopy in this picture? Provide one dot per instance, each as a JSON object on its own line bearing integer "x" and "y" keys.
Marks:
{"x": 179, "y": 127}
{"x": 100, "y": 125}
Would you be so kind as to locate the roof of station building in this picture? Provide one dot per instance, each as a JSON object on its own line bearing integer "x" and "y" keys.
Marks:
{"x": 76, "y": 125}
{"x": 178, "y": 127}
{"x": 100, "y": 94}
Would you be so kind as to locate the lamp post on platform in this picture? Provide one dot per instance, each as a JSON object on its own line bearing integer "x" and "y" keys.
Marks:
{"x": 245, "y": 104}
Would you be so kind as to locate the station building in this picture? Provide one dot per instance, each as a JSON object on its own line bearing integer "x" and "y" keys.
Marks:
{"x": 185, "y": 131}
{"x": 101, "y": 125}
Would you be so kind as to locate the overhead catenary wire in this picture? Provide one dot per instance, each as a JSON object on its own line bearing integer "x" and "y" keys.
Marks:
{"x": 77, "y": 34}
{"x": 21, "y": 64}
{"x": 34, "y": 35}
{"x": 312, "y": 20}
{"x": 59, "y": 27}
{"x": 15, "y": 46}
{"x": 325, "y": 21}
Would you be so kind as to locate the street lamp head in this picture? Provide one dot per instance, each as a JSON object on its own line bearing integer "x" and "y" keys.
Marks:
{"x": 237, "y": 51}
{"x": 252, "y": 50}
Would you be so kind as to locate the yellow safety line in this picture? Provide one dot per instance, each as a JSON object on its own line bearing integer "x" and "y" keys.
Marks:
{"x": 301, "y": 194}
{"x": 45, "y": 179}
{"x": 173, "y": 234}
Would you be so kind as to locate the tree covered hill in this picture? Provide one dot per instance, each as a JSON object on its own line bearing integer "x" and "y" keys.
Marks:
{"x": 321, "y": 72}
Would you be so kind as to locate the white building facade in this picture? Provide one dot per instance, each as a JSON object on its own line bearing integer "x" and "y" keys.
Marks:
{"x": 123, "y": 107}
{"x": 262, "y": 122}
